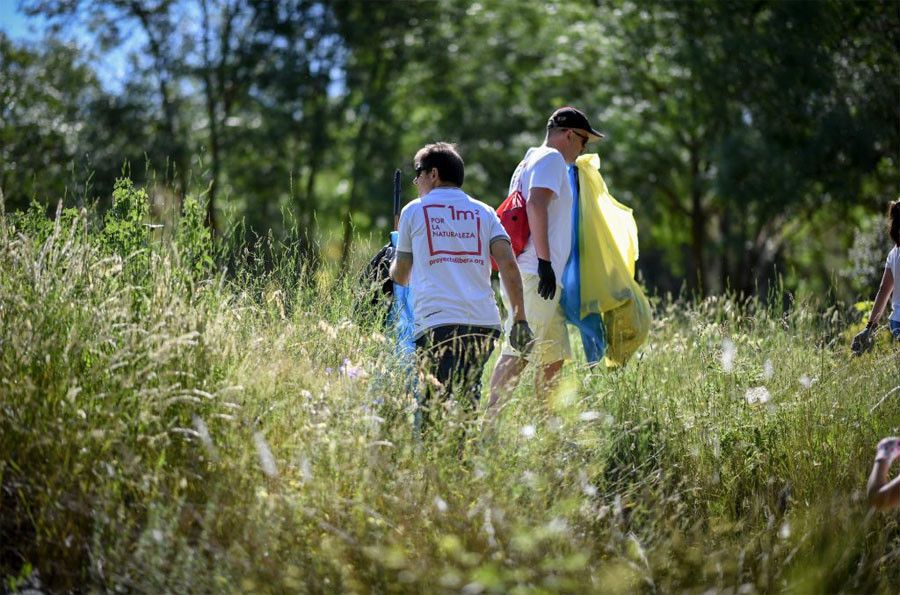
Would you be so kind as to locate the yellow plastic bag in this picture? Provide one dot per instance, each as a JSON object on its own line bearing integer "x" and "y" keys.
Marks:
{"x": 627, "y": 327}
{"x": 608, "y": 246}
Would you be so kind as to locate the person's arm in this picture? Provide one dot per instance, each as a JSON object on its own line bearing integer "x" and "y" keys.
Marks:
{"x": 865, "y": 339}
{"x": 536, "y": 207}
{"x": 882, "y": 494}
{"x": 502, "y": 252}
{"x": 520, "y": 335}
{"x": 882, "y": 297}
{"x": 401, "y": 267}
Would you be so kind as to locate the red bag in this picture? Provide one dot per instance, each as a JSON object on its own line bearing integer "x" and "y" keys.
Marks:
{"x": 514, "y": 219}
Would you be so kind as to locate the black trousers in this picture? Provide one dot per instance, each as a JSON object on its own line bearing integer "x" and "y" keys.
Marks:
{"x": 455, "y": 356}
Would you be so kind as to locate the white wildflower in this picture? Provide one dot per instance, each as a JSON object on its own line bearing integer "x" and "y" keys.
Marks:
{"x": 757, "y": 394}
{"x": 440, "y": 504}
{"x": 589, "y": 416}
{"x": 528, "y": 431}
{"x": 329, "y": 330}
{"x": 557, "y": 526}
{"x": 305, "y": 469}
{"x": 729, "y": 350}
{"x": 785, "y": 531}
{"x": 203, "y": 433}
{"x": 529, "y": 478}
{"x": 806, "y": 381}
{"x": 586, "y": 487}
{"x": 266, "y": 460}
{"x": 554, "y": 424}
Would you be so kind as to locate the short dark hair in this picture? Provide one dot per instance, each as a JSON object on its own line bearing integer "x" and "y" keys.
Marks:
{"x": 444, "y": 157}
{"x": 894, "y": 221}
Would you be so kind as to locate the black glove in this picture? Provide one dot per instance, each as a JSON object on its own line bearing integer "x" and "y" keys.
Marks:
{"x": 863, "y": 341}
{"x": 521, "y": 337}
{"x": 547, "y": 284}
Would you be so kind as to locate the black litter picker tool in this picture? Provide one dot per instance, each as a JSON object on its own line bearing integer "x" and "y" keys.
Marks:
{"x": 396, "y": 199}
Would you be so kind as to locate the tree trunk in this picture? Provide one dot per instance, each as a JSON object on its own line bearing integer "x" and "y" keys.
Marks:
{"x": 354, "y": 191}
{"x": 698, "y": 228}
{"x": 212, "y": 117}
{"x": 168, "y": 105}
{"x": 380, "y": 70}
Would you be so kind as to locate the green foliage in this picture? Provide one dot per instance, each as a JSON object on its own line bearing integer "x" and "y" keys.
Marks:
{"x": 43, "y": 101}
{"x": 126, "y": 233}
{"x": 193, "y": 239}
{"x": 749, "y": 137}
{"x": 246, "y": 436}
{"x": 34, "y": 223}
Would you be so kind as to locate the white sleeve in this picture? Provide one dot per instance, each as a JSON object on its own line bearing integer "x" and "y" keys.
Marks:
{"x": 404, "y": 231}
{"x": 892, "y": 258}
{"x": 547, "y": 172}
{"x": 496, "y": 228}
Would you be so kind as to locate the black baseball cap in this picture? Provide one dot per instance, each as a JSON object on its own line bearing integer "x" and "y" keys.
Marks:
{"x": 569, "y": 117}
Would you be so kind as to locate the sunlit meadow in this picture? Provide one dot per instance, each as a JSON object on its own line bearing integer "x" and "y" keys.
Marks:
{"x": 170, "y": 425}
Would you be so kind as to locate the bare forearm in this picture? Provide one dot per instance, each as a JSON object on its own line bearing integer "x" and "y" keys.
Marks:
{"x": 401, "y": 268}
{"x": 501, "y": 251}
{"x": 883, "y": 295}
{"x": 512, "y": 283}
{"x": 536, "y": 207}
{"x": 882, "y": 495}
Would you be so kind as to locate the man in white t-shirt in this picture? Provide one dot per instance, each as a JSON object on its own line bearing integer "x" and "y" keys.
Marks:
{"x": 542, "y": 178}
{"x": 445, "y": 243}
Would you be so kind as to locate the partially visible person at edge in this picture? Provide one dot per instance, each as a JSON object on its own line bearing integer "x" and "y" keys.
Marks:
{"x": 890, "y": 284}
{"x": 542, "y": 178}
{"x": 884, "y": 495}
{"x": 445, "y": 242}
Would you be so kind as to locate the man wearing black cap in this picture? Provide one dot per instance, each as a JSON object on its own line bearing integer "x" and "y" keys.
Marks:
{"x": 542, "y": 178}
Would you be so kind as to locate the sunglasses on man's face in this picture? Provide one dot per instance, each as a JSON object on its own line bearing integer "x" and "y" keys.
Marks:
{"x": 584, "y": 139}
{"x": 419, "y": 171}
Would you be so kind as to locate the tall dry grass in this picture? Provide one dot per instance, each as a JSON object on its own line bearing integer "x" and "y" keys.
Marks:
{"x": 169, "y": 427}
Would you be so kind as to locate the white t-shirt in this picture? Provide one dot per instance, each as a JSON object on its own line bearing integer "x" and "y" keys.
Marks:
{"x": 449, "y": 235}
{"x": 545, "y": 167}
{"x": 893, "y": 263}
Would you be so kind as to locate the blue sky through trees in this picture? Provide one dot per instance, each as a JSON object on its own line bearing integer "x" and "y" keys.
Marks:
{"x": 112, "y": 68}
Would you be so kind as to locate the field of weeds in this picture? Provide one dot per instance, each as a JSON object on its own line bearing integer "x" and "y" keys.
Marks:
{"x": 170, "y": 426}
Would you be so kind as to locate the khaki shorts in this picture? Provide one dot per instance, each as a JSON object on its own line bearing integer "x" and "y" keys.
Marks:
{"x": 547, "y": 321}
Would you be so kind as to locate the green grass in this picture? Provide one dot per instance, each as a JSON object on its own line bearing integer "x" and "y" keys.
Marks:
{"x": 142, "y": 395}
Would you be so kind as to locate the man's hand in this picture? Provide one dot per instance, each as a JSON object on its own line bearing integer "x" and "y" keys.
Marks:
{"x": 863, "y": 342}
{"x": 888, "y": 450}
{"x": 521, "y": 337}
{"x": 547, "y": 283}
